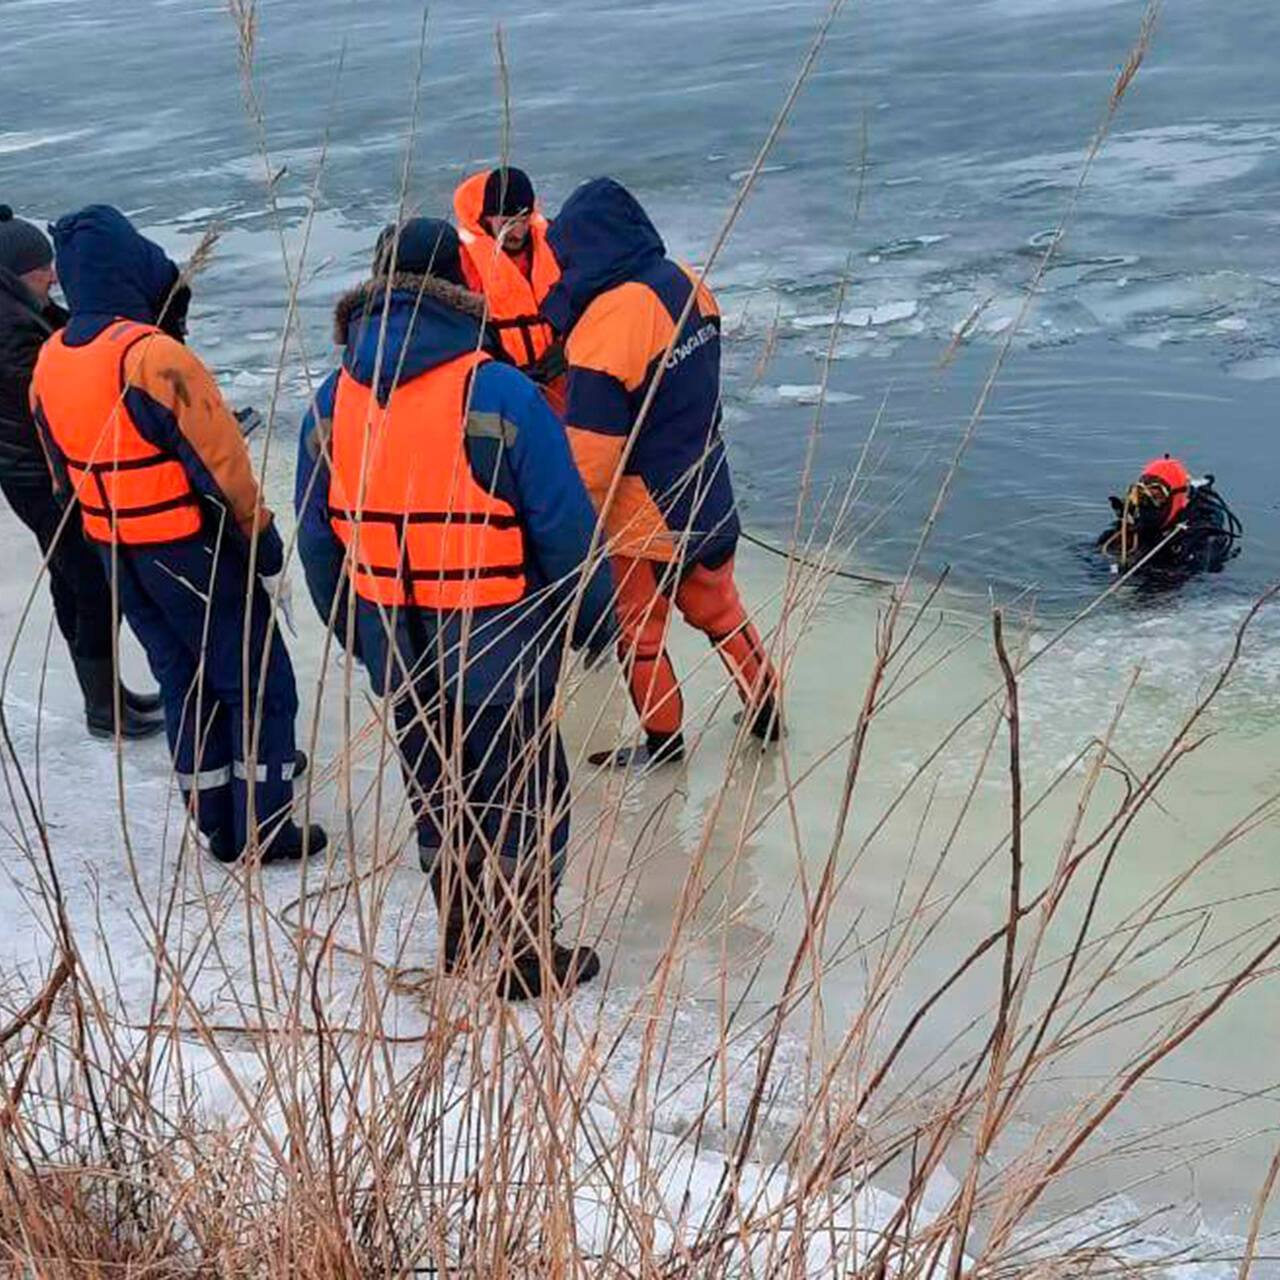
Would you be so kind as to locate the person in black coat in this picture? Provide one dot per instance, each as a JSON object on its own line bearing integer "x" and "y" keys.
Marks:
{"x": 81, "y": 596}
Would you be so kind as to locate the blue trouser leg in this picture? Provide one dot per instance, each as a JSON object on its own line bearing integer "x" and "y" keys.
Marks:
{"x": 202, "y": 758}
{"x": 263, "y": 746}
{"x": 322, "y": 565}
{"x": 516, "y": 779}
{"x": 390, "y": 660}
{"x": 203, "y": 602}
{"x": 500, "y": 782}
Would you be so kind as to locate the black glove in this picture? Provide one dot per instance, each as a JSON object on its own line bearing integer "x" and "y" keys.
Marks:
{"x": 270, "y": 552}
{"x": 598, "y": 654}
{"x": 249, "y": 419}
{"x": 550, "y": 366}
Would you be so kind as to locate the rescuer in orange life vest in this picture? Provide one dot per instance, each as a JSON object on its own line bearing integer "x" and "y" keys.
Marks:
{"x": 136, "y": 430}
{"x": 467, "y": 532}
{"x": 672, "y": 522}
{"x": 505, "y": 257}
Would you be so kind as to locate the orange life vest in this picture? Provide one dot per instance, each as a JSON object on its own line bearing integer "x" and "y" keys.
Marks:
{"x": 513, "y": 297}
{"x": 400, "y": 487}
{"x": 128, "y": 489}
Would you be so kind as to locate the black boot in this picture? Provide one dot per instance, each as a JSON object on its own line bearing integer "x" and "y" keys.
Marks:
{"x": 144, "y": 704}
{"x": 657, "y": 749}
{"x": 532, "y": 968}
{"x": 526, "y": 976}
{"x": 462, "y": 919}
{"x": 97, "y": 683}
{"x": 285, "y": 845}
{"x": 290, "y": 842}
{"x": 222, "y": 844}
{"x": 766, "y": 721}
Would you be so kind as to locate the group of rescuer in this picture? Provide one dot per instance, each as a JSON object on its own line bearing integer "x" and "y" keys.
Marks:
{"x": 518, "y": 454}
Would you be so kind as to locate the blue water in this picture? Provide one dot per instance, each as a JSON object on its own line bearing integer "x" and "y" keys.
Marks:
{"x": 962, "y": 127}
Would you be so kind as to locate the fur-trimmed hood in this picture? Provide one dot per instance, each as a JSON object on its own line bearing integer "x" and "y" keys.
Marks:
{"x": 429, "y": 322}
{"x": 366, "y": 299}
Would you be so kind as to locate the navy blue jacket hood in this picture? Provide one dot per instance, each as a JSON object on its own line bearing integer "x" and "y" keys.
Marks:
{"x": 601, "y": 238}
{"x": 428, "y": 323}
{"x": 108, "y": 269}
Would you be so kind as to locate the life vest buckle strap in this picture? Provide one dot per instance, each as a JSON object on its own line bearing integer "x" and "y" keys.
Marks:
{"x": 494, "y": 520}
{"x": 124, "y": 464}
{"x": 136, "y": 513}
{"x": 442, "y": 575}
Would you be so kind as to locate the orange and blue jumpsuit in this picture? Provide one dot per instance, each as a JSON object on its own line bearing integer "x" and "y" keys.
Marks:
{"x": 672, "y": 521}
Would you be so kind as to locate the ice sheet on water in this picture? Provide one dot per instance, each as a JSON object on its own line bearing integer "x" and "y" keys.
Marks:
{"x": 1147, "y": 168}
{"x": 884, "y": 313}
{"x": 1175, "y": 1244}
{"x": 16, "y": 141}
{"x": 1256, "y": 368}
{"x": 907, "y": 245}
{"x": 739, "y": 174}
{"x": 801, "y": 393}
{"x": 812, "y": 393}
{"x": 1181, "y": 644}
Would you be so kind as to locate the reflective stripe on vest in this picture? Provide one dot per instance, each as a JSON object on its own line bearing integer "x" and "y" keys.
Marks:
{"x": 424, "y": 532}
{"x": 127, "y": 487}
{"x": 513, "y": 299}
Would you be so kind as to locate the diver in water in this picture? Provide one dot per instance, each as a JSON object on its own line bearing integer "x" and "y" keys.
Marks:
{"x": 1182, "y": 524}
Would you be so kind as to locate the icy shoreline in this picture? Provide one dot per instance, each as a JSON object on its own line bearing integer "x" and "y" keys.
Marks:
{"x": 110, "y": 890}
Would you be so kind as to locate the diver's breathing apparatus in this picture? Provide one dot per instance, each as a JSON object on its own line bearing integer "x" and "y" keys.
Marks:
{"x": 1155, "y": 507}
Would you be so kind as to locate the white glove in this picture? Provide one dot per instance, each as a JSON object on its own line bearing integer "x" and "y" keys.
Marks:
{"x": 279, "y": 587}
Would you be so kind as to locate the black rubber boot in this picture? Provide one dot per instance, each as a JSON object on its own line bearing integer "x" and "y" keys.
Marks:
{"x": 222, "y": 844}
{"x": 533, "y": 969}
{"x": 97, "y": 683}
{"x": 665, "y": 748}
{"x": 657, "y": 749}
{"x": 290, "y": 842}
{"x": 284, "y": 846}
{"x": 526, "y": 976}
{"x": 462, "y": 919}
{"x": 766, "y": 722}
{"x": 145, "y": 704}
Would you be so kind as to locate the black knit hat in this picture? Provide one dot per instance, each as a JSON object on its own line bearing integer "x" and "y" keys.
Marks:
{"x": 23, "y": 246}
{"x": 507, "y": 192}
{"x": 423, "y": 246}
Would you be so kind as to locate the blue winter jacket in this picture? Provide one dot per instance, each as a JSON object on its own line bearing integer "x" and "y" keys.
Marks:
{"x": 525, "y": 462}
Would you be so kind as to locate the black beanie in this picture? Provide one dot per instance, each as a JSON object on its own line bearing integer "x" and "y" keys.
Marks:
{"x": 423, "y": 246}
{"x": 507, "y": 192}
{"x": 23, "y": 246}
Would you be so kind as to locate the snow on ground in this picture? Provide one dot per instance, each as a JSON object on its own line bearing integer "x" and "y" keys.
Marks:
{"x": 144, "y": 900}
